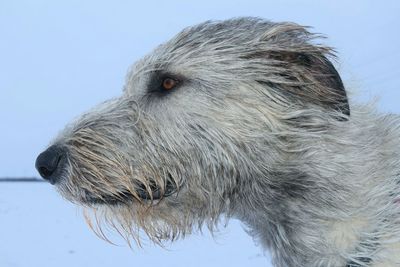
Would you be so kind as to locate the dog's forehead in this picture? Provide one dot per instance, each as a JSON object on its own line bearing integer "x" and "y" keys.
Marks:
{"x": 206, "y": 39}
{"x": 214, "y": 44}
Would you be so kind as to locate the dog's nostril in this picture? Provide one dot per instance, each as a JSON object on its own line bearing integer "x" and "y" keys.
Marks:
{"x": 48, "y": 162}
{"x": 44, "y": 172}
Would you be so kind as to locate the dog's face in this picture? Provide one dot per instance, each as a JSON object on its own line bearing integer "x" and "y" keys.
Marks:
{"x": 197, "y": 121}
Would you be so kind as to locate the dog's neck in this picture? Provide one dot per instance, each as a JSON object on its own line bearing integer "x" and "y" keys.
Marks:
{"x": 338, "y": 204}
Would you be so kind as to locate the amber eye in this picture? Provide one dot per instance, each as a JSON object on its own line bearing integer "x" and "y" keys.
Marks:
{"x": 169, "y": 83}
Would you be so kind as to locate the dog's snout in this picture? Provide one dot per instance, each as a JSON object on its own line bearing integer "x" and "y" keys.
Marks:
{"x": 49, "y": 163}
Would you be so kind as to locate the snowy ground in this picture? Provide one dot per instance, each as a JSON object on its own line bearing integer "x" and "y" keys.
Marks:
{"x": 39, "y": 228}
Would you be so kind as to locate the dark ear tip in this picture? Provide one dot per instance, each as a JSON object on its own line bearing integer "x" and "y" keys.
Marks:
{"x": 328, "y": 77}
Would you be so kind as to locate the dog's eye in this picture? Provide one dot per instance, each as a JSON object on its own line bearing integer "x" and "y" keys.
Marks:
{"x": 169, "y": 83}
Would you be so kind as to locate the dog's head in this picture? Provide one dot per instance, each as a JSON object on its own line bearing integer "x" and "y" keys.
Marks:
{"x": 200, "y": 121}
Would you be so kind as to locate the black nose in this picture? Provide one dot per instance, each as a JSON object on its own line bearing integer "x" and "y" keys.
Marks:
{"x": 49, "y": 162}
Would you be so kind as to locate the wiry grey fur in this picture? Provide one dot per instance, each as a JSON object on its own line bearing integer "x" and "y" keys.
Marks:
{"x": 258, "y": 128}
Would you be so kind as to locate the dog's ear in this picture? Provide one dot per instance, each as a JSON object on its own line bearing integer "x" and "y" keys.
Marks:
{"x": 314, "y": 79}
{"x": 303, "y": 71}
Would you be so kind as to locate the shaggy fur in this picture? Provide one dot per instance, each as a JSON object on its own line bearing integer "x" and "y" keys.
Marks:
{"x": 257, "y": 127}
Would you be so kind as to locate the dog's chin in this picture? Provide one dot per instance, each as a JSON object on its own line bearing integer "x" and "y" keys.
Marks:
{"x": 126, "y": 197}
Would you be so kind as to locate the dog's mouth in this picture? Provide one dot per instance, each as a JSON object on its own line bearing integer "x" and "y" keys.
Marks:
{"x": 150, "y": 193}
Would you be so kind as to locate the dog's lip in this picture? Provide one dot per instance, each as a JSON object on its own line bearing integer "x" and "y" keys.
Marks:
{"x": 121, "y": 197}
{"x": 125, "y": 197}
{"x": 156, "y": 192}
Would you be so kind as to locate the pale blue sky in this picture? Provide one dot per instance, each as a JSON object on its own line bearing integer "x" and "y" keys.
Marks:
{"x": 59, "y": 58}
